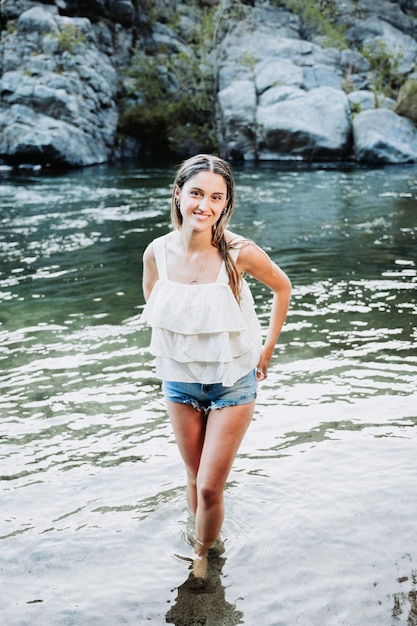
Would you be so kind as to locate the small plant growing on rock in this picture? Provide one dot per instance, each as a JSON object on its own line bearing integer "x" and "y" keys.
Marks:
{"x": 386, "y": 78}
{"x": 11, "y": 27}
{"x": 355, "y": 108}
{"x": 248, "y": 60}
{"x": 69, "y": 38}
{"x": 318, "y": 17}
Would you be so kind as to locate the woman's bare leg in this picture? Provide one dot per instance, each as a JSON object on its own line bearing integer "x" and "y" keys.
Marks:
{"x": 208, "y": 448}
{"x": 189, "y": 427}
{"x": 224, "y": 433}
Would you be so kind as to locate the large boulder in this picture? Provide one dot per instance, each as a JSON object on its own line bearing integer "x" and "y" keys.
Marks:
{"x": 36, "y": 138}
{"x": 313, "y": 125}
{"x": 382, "y": 136}
{"x": 286, "y": 122}
{"x": 57, "y": 92}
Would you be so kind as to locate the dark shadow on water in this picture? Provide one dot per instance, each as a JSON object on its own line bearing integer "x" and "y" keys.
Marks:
{"x": 202, "y": 602}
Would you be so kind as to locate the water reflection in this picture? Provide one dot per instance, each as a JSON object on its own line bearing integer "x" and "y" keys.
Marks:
{"x": 203, "y": 601}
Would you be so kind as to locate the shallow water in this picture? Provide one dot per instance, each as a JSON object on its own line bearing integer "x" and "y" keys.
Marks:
{"x": 321, "y": 508}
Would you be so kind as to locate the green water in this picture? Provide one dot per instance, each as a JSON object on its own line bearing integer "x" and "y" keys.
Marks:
{"x": 321, "y": 510}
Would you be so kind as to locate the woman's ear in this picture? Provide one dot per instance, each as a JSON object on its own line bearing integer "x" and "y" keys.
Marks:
{"x": 177, "y": 193}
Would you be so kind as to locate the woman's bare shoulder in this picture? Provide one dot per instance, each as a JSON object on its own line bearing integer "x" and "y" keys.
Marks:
{"x": 233, "y": 239}
{"x": 149, "y": 251}
{"x": 239, "y": 241}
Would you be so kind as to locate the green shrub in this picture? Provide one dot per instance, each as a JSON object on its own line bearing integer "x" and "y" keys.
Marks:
{"x": 176, "y": 92}
{"x": 386, "y": 78}
{"x": 318, "y": 17}
{"x": 69, "y": 37}
{"x": 355, "y": 108}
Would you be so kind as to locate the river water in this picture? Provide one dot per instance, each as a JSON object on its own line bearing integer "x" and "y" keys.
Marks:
{"x": 321, "y": 506}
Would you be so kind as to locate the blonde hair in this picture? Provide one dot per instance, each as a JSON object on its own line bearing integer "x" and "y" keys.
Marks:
{"x": 210, "y": 163}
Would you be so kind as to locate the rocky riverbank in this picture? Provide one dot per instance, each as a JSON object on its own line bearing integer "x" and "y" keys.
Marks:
{"x": 86, "y": 82}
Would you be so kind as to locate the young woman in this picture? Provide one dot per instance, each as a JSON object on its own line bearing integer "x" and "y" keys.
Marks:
{"x": 205, "y": 334}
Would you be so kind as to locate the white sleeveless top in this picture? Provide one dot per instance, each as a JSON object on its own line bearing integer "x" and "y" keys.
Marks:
{"x": 199, "y": 332}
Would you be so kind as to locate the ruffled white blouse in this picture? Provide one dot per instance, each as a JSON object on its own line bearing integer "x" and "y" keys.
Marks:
{"x": 200, "y": 333}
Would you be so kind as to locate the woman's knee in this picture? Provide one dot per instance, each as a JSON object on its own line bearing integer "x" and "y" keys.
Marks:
{"x": 209, "y": 494}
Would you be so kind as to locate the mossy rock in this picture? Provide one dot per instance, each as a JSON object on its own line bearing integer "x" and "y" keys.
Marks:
{"x": 407, "y": 100}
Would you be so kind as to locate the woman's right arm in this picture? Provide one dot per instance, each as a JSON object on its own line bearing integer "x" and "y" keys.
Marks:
{"x": 150, "y": 272}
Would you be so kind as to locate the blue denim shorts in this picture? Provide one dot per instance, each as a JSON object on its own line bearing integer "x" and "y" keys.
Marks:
{"x": 214, "y": 396}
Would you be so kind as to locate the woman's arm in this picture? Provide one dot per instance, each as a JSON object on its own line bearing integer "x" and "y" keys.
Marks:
{"x": 257, "y": 263}
{"x": 150, "y": 272}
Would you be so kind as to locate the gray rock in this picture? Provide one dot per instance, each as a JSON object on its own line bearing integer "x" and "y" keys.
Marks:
{"x": 345, "y": 11}
{"x": 374, "y": 31}
{"x": 354, "y": 62}
{"x": 314, "y": 125}
{"x": 236, "y": 114}
{"x": 57, "y": 104}
{"x": 381, "y": 136}
{"x": 273, "y": 72}
{"x": 37, "y": 20}
{"x": 281, "y": 97}
{"x": 355, "y": 68}
{"x": 11, "y": 9}
{"x": 165, "y": 36}
{"x": 321, "y": 76}
{"x": 33, "y": 137}
{"x": 389, "y": 11}
{"x": 123, "y": 12}
{"x": 278, "y": 94}
{"x": 276, "y": 60}
{"x": 365, "y": 100}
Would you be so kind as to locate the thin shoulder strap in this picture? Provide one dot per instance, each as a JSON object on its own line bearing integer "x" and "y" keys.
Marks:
{"x": 236, "y": 244}
{"x": 160, "y": 257}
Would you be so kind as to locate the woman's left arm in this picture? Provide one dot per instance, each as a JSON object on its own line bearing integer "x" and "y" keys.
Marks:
{"x": 254, "y": 261}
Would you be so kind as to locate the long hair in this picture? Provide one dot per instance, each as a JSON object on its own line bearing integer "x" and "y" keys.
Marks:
{"x": 210, "y": 163}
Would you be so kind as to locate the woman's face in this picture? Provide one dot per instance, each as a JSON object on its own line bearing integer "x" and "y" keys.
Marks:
{"x": 201, "y": 200}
